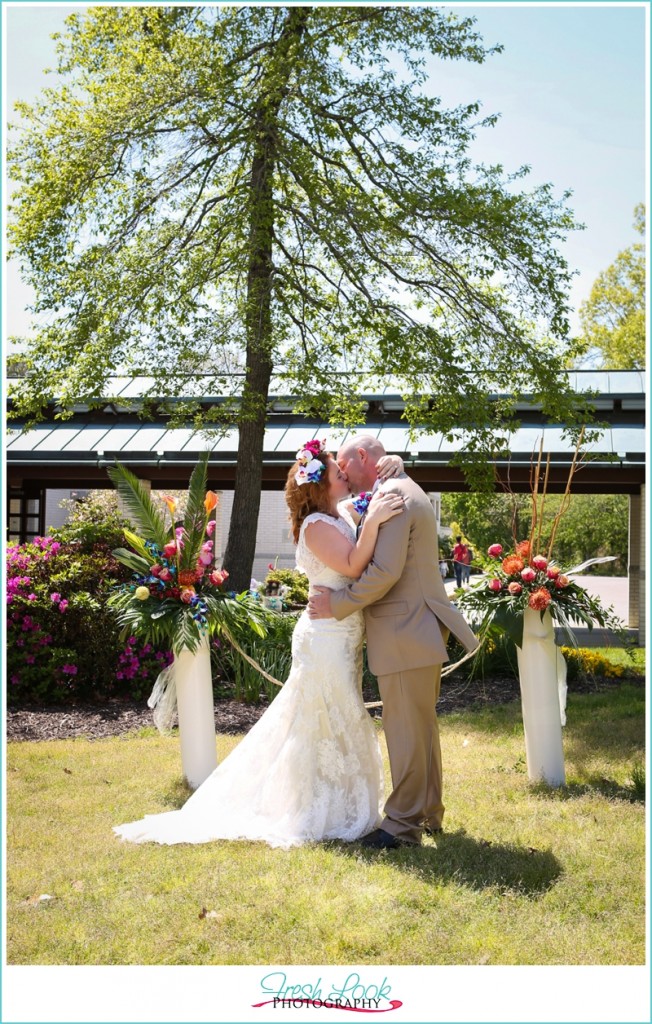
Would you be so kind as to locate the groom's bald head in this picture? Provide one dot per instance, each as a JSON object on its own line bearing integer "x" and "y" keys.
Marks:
{"x": 358, "y": 458}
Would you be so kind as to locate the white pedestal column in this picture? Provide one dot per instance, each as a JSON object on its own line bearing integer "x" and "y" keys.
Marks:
{"x": 196, "y": 713}
{"x": 537, "y": 668}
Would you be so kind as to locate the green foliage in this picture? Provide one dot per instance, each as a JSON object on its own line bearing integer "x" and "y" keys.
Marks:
{"x": 292, "y": 578}
{"x": 94, "y": 519}
{"x": 613, "y": 317}
{"x": 594, "y": 525}
{"x": 273, "y": 654}
{"x": 196, "y": 514}
{"x": 638, "y": 781}
{"x": 143, "y": 513}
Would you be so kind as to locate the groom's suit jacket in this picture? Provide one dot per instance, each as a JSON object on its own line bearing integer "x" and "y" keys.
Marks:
{"x": 402, "y": 593}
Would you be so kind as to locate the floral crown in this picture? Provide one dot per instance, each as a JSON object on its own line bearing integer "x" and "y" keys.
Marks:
{"x": 310, "y": 467}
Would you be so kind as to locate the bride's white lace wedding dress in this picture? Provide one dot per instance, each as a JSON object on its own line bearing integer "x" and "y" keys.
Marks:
{"x": 310, "y": 768}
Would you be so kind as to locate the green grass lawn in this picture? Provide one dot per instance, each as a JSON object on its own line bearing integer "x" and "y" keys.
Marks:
{"x": 522, "y": 875}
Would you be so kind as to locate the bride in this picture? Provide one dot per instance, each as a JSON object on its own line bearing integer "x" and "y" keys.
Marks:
{"x": 310, "y": 769}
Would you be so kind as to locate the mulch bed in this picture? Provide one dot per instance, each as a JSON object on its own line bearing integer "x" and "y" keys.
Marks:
{"x": 116, "y": 717}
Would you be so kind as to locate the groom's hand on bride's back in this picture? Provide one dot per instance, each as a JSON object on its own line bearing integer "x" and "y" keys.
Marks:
{"x": 319, "y": 604}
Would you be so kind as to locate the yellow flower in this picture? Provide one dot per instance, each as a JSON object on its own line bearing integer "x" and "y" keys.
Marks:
{"x": 141, "y": 593}
{"x": 171, "y": 504}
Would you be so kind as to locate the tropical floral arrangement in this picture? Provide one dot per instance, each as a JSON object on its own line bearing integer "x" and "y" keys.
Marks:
{"x": 522, "y": 580}
{"x": 176, "y": 595}
{"x": 527, "y": 578}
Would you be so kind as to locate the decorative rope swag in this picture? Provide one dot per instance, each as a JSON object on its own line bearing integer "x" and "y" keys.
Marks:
{"x": 277, "y": 682}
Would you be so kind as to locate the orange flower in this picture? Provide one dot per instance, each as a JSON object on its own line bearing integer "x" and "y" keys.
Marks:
{"x": 523, "y": 549}
{"x": 562, "y": 581}
{"x": 540, "y": 599}
{"x": 512, "y": 564}
{"x": 210, "y": 501}
{"x": 188, "y": 576}
{"x": 171, "y": 504}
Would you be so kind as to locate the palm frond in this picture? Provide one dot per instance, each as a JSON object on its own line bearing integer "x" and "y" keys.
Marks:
{"x": 131, "y": 560}
{"x": 194, "y": 523}
{"x": 138, "y": 545}
{"x": 139, "y": 505}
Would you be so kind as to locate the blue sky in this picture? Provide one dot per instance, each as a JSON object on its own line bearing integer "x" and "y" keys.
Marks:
{"x": 570, "y": 87}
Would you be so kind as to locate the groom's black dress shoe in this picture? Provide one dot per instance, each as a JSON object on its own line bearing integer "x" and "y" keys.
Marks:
{"x": 381, "y": 840}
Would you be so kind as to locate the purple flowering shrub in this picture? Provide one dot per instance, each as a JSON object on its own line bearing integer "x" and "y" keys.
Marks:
{"x": 62, "y": 640}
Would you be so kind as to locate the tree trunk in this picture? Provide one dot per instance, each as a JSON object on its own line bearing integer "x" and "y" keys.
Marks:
{"x": 241, "y": 544}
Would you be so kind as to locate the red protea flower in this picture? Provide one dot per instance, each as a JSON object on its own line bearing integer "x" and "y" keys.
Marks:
{"x": 188, "y": 576}
{"x": 523, "y": 549}
{"x": 540, "y": 599}
{"x": 513, "y": 564}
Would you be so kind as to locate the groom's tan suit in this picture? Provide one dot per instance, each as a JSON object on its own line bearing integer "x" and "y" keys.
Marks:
{"x": 408, "y": 618}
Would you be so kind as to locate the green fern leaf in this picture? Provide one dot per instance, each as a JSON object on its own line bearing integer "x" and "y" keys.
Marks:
{"x": 194, "y": 523}
{"x": 139, "y": 505}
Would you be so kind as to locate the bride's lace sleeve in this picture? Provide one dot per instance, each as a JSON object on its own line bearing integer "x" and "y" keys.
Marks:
{"x": 307, "y": 561}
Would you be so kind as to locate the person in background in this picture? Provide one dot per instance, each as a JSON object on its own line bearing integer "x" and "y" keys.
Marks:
{"x": 467, "y": 558}
{"x": 459, "y": 551}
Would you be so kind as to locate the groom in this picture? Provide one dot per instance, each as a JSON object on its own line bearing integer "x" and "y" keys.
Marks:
{"x": 408, "y": 618}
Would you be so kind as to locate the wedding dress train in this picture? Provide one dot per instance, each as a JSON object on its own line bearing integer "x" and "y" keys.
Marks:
{"x": 309, "y": 769}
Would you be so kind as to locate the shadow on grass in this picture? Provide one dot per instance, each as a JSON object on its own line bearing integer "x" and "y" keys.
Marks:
{"x": 596, "y": 784}
{"x": 477, "y": 863}
{"x": 176, "y": 794}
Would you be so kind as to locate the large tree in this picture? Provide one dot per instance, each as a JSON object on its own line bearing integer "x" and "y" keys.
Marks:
{"x": 613, "y": 317}
{"x": 283, "y": 182}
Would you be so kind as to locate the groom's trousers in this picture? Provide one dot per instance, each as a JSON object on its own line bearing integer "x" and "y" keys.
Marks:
{"x": 412, "y": 734}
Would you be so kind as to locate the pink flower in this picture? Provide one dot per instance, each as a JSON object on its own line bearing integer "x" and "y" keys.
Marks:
{"x": 314, "y": 447}
{"x": 187, "y": 594}
{"x": 553, "y": 572}
{"x": 63, "y": 605}
{"x": 218, "y": 577}
{"x": 205, "y": 558}
{"x": 165, "y": 575}
{"x": 561, "y": 582}
{"x": 270, "y": 565}
{"x": 55, "y": 598}
{"x": 495, "y": 584}
{"x": 539, "y": 562}
{"x": 155, "y": 570}
{"x": 210, "y": 529}
{"x": 514, "y": 588}
{"x": 495, "y": 551}
{"x": 170, "y": 550}
{"x": 70, "y": 670}
{"x": 31, "y": 597}
{"x": 528, "y": 574}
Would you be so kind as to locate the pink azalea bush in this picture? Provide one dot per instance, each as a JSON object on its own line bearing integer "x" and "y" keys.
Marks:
{"x": 62, "y": 641}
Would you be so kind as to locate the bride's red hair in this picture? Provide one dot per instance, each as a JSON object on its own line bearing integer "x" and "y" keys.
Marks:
{"x": 304, "y": 499}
